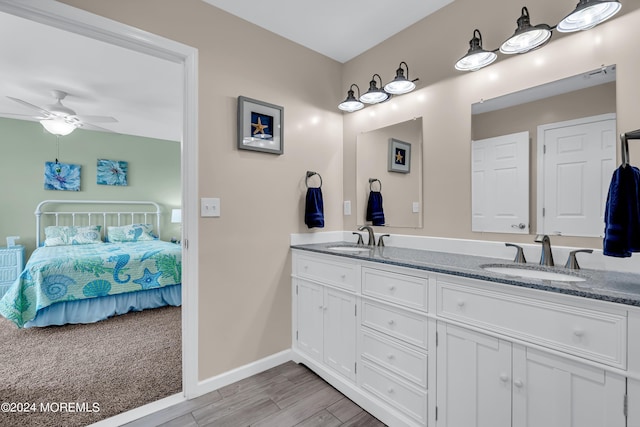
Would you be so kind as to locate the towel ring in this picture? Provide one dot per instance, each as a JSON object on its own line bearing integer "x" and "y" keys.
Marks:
{"x": 372, "y": 181}
{"x": 309, "y": 175}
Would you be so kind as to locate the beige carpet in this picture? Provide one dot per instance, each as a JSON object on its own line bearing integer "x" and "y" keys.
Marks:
{"x": 114, "y": 366}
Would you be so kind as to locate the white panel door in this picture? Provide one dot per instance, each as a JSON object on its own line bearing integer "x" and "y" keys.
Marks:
{"x": 473, "y": 379}
{"x": 340, "y": 332}
{"x": 500, "y": 184}
{"x": 310, "y": 305}
{"x": 578, "y": 160}
{"x": 550, "y": 391}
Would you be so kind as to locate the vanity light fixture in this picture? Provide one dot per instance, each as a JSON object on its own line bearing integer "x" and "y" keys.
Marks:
{"x": 374, "y": 95}
{"x": 401, "y": 84}
{"x": 351, "y": 103}
{"x": 526, "y": 36}
{"x": 58, "y": 126}
{"x": 476, "y": 57}
{"x": 588, "y": 14}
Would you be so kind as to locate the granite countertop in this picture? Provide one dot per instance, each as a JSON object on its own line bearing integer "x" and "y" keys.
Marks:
{"x": 618, "y": 287}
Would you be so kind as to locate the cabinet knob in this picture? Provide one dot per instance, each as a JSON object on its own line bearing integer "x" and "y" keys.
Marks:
{"x": 504, "y": 378}
{"x": 343, "y": 276}
{"x": 390, "y": 390}
{"x": 390, "y": 356}
{"x": 460, "y": 303}
{"x": 392, "y": 322}
{"x": 518, "y": 383}
{"x": 320, "y": 307}
{"x": 578, "y": 332}
{"x": 392, "y": 288}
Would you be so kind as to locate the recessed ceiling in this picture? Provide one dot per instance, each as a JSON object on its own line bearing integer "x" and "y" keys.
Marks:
{"x": 339, "y": 29}
{"x": 142, "y": 92}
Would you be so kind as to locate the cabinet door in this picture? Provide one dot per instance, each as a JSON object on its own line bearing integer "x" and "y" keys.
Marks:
{"x": 340, "y": 332}
{"x": 310, "y": 305}
{"x": 550, "y": 391}
{"x": 473, "y": 379}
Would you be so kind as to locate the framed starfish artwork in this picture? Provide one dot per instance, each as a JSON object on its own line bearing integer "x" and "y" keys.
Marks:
{"x": 399, "y": 156}
{"x": 260, "y": 126}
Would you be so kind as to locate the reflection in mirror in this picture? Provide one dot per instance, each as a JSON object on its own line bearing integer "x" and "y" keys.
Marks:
{"x": 400, "y": 184}
{"x": 572, "y": 128}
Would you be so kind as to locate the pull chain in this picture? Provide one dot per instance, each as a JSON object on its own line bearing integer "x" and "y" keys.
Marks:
{"x": 57, "y": 148}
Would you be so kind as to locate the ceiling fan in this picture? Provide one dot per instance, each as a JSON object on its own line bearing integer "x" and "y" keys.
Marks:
{"x": 60, "y": 120}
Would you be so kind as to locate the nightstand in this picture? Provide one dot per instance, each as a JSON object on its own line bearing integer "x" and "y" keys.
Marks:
{"x": 11, "y": 265}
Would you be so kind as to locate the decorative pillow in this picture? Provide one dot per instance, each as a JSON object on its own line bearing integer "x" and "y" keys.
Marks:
{"x": 131, "y": 233}
{"x": 60, "y": 235}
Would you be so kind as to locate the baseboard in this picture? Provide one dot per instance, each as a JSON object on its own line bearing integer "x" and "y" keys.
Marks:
{"x": 142, "y": 411}
{"x": 242, "y": 372}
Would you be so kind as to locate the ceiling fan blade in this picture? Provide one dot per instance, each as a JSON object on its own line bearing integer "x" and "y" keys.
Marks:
{"x": 34, "y": 107}
{"x": 89, "y": 126}
{"x": 97, "y": 119}
{"x": 22, "y": 116}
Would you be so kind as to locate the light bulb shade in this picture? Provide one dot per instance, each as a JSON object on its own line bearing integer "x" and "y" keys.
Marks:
{"x": 588, "y": 14}
{"x": 351, "y": 103}
{"x": 374, "y": 95}
{"x": 526, "y": 36}
{"x": 176, "y": 216}
{"x": 401, "y": 84}
{"x": 476, "y": 57}
{"x": 58, "y": 126}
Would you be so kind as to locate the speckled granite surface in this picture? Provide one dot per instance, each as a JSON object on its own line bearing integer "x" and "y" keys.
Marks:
{"x": 623, "y": 288}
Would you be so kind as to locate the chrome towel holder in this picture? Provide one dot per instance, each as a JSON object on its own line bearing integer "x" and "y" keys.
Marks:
{"x": 624, "y": 145}
{"x": 309, "y": 175}
{"x": 373, "y": 181}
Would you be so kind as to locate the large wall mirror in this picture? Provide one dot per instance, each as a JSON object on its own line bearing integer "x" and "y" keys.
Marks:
{"x": 392, "y": 158}
{"x": 571, "y": 125}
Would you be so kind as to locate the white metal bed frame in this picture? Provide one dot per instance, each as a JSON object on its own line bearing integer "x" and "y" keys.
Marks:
{"x": 100, "y": 217}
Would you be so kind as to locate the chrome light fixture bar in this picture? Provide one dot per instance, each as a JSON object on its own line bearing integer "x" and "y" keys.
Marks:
{"x": 374, "y": 95}
{"x": 351, "y": 103}
{"x": 476, "y": 57}
{"x": 401, "y": 84}
{"x": 526, "y": 37}
{"x": 588, "y": 14}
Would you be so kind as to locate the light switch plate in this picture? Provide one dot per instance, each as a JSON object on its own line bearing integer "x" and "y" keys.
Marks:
{"x": 347, "y": 207}
{"x": 416, "y": 207}
{"x": 210, "y": 207}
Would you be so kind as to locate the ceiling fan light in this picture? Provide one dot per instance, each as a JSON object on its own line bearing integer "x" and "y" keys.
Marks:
{"x": 374, "y": 95}
{"x": 401, "y": 84}
{"x": 476, "y": 57}
{"x": 57, "y": 126}
{"x": 526, "y": 37}
{"x": 588, "y": 14}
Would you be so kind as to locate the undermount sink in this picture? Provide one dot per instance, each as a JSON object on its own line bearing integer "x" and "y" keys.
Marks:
{"x": 532, "y": 273}
{"x": 349, "y": 248}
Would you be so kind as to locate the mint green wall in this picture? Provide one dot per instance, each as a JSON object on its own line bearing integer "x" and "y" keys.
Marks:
{"x": 154, "y": 173}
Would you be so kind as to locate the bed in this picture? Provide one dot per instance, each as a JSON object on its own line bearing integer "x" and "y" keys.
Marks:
{"x": 98, "y": 259}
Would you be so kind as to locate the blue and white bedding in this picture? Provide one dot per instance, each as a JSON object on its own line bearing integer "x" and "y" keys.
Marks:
{"x": 68, "y": 277}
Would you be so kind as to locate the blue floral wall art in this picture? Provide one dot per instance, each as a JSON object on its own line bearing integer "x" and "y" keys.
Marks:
{"x": 61, "y": 176}
{"x": 112, "y": 172}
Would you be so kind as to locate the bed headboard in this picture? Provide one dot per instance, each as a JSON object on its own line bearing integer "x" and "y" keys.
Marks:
{"x": 95, "y": 212}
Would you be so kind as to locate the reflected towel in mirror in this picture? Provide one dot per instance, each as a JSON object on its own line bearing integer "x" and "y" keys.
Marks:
{"x": 375, "y": 213}
{"x": 314, "y": 208}
{"x": 622, "y": 213}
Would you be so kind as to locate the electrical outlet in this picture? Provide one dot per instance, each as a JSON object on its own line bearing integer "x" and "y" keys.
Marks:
{"x": 347, "y": 207}
{"x": 210, "y": 207}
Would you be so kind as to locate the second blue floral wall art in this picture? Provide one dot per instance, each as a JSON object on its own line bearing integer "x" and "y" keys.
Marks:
{"x": 112, "y": 172}
{"x": 61, "y": 176}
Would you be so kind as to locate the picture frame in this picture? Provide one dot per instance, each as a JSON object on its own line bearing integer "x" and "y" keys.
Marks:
{"x": 112, "y": 172}
{"x": 399, "y": 156}
{"x": 260, "y": 126}
{"x": 61, "y": 176}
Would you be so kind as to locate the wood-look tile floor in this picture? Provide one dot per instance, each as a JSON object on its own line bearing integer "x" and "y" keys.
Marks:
{"x": 285, "y": 396}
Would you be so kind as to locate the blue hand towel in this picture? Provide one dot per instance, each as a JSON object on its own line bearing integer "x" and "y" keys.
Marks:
{"x": 375, "y": 213}
{"x": 314, "y": 208}
{"x": 622, "y": 213}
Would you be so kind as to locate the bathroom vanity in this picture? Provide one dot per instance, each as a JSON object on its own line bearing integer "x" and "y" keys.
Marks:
{"x": 423, "y": 338}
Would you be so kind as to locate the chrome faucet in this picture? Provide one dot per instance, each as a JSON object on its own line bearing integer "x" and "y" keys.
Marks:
{"x": 372, "y": 236}
{"x": 546, "y": 257}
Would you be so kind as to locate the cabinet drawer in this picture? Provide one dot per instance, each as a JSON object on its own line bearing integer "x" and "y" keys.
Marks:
{"x": 393, "y": 287}
{"x": 395, "y": 357}
{"x": 594, "y": 334}
{"x": 8, "y": 275}
{"x": 328, "y": 271}
{"x": 402, "y": 325}
{"x": 404, "y": 397}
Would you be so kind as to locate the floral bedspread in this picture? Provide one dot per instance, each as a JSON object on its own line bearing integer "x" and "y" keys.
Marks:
{"x": 66, "y": 273}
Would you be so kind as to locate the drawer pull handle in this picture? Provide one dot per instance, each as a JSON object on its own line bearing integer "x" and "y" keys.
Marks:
{"x": 504, "y": 378}
{"x": 578, "y": 333}
{"x": 390, "y": 390}
{"x": 392, "y": 322}
{"x": 518, "y": 383}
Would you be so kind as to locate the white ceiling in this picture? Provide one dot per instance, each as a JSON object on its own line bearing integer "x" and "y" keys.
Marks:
{"x": 144, "y": 93}
{"x": 339, "y": 29}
